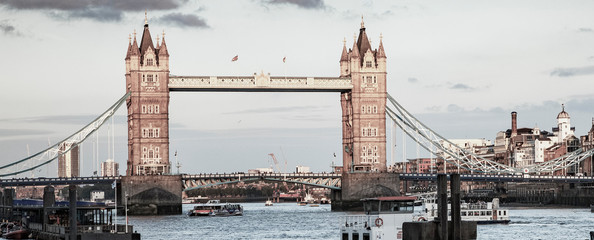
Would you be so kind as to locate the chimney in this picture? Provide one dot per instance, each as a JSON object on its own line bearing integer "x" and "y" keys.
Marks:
{"x": 514, "y": 124}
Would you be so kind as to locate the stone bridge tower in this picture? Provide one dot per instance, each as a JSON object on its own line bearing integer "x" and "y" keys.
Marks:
{"x": 147, "y": 77}
{"x": 364, "y": 117}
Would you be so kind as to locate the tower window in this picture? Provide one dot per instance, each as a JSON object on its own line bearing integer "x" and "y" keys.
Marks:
{"x": 149, "y": 78}
{"x": 368, "y": 64}
{"x": 143, "y": 109}
{"x": 149, "y": 62}
{"x": 362, "y": 109}
{"x": 156, "y": 108}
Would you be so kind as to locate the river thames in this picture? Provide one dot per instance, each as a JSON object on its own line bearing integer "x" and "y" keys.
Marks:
{"x": 290, "y": 221}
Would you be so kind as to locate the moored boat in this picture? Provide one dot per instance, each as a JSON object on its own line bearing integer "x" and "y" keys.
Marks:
{"x": 216, "y": 208}
{"x": 268, "y": 203}
{"x": 479, "y": 212}
{"x": 383, "y": 219}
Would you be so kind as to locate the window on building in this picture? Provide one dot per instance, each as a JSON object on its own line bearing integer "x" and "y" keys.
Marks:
{"x": 151, "y": 153}
{"x": 369, "y": 109}
{"x": 143, "y": 132}
{"x": 150, "y": 109}
{"x": 156, "y": 132}
{"x": 374, "y": 79}
{"x": 362, "y": 109}
{"x": 143, "y": 109}
{"x": 149, "y": 78}
{"x": 368, "y": 64}
{"x": 374, "y": 109}
{"x": 156, "y": 108}
{"x": 149, "y": 62}
{"x": 150, "y": 133}
{"x": 143, "y": 78}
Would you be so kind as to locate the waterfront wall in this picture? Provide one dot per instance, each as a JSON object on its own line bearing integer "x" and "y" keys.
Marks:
{"x": 152, "y": 195}
{"x": 356, "y": 186}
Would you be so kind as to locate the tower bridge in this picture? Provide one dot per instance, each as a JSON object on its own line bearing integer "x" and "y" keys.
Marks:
{"x": 365, "y": 103}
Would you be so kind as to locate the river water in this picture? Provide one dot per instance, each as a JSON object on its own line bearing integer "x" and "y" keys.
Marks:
{"x": 290, "y": 221}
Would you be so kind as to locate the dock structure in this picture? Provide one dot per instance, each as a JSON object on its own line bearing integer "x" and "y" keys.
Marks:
{"x": 52, "y": 221}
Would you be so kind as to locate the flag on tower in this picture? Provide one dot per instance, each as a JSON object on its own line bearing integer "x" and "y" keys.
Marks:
{"x": 284, "y": 59}
{"x": 235, "y": 58}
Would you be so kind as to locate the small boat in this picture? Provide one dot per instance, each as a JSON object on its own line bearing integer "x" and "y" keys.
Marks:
{"x": 383, "y": 218}
{"x": 216, "y": 208}
{"x": 268, "y": 203}
{"x": 314, "y": 205}
{"x": 480, "y": 212}
{"x": 302, "y": 203}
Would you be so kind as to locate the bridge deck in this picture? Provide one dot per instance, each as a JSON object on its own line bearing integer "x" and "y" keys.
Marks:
{"x": 259, "y": 83}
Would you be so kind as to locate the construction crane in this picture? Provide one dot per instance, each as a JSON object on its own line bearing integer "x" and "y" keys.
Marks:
{"x": 275, "y": 162}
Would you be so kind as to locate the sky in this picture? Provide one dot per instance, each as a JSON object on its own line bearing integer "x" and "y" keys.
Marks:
{"x": 460, "y": 67}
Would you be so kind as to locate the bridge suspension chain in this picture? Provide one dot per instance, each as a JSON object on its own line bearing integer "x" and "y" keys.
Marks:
{"x": 51, "y": 153}
{"x": 458, "y": 156}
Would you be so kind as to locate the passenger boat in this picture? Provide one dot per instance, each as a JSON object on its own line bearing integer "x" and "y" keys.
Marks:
{"x": 216, "y": 208}
{"x": 383, "y": 219}
{"x": 302, "y": 203}
{"x": 480, "y": 212}
{"x": 324, "y": 200}
{"x": 268, "y": 203}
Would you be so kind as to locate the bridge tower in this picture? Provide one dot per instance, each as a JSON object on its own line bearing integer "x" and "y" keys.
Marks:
{"x": 363, "y": 108}
{"x": 147, "y": 77}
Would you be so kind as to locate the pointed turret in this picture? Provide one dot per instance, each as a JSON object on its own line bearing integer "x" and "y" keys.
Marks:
{"x": 163, "y": 48}
{"x": 363, "y": 42}
{"x": 146, "y": 40}
{"x": 129, "y": 51}
{"x": 345, "y": 55}
{"x": 355, "y": 51}
{"x": 135, "y": 49}
{"x": 380, "y": 50}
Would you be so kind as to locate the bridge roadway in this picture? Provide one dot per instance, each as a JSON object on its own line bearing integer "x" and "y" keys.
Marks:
{"x": 42, "y": 181}
{"x": 499, "y": 178}
{"x": 325, "y": 180}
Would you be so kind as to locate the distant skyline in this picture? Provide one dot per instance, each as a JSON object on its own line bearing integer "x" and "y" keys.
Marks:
{"x": 461, "y": 67}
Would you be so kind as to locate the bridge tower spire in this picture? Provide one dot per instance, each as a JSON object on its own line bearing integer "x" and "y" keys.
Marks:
{"x": 147, "y": 77}
{"x": 363, "y": 108}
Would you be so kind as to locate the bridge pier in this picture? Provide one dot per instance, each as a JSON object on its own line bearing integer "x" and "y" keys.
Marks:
{"x": 152, "y": 195}
{"x": 356, "y": 186}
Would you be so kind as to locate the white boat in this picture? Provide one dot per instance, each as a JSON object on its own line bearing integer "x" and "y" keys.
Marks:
{"x": 216, "y": 208}
{"x": 480, "y": 212}
{"x": 268, "y": 203}
{"x": 383, "y": 219}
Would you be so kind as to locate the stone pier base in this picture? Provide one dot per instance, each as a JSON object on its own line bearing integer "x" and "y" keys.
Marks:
{"x": 152, "y": 195}
{"x": 356, "y": 186}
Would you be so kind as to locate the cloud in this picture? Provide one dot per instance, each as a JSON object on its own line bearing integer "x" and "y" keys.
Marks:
{"x": 461, "y": 86}
{"x": 570, "y": 72}
{"x": 22, "y": 132}
{"x": 81, "y": 120}
{"x": 108, "y": 10}
{"x": 184, "y": 20}
{"x": 307, "y": 4}
{"x": 413, "y": 80}
{"x": 8, "y": 29}
{"x": 454, "y": 108}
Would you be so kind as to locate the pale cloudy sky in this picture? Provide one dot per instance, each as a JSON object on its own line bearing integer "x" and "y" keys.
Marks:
{"x": 459, "y": 66}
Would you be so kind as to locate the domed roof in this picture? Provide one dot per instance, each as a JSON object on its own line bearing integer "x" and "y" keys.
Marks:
{"x": 563, "y": 113}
